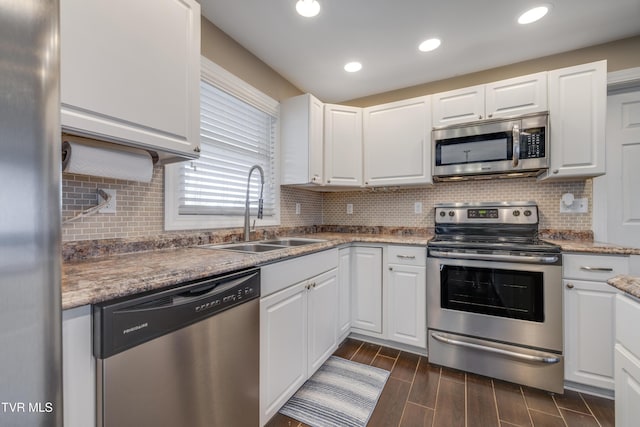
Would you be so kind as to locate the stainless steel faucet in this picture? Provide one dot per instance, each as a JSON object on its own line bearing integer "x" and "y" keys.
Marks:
{"x": 247, "y": 202}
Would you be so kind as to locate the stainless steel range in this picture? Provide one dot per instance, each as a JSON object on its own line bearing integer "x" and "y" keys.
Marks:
{"x": 494, "y": 294}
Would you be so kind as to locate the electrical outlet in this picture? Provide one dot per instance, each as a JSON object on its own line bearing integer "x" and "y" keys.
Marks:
{"x": 349, "y": 208}
{"x": 297, "y": 208}
{"x": 111, "y": 206}
{"x": 417, "y": 207}
{"x": 578, "y": 206}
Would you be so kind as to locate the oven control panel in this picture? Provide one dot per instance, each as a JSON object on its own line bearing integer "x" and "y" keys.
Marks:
{"x": 489, "y": 214}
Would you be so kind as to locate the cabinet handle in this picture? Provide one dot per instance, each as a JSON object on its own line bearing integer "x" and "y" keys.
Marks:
{"x": 390, "y": 268}
{"x": 555, "y": 171}
{"x": 569, "y": 285}
{"x": 313, "y": 285}
{"x": 480, "y": 116}
{"x": 328, "y": 181}
{"x": 197, "y": 149}
{"x": 596, "y": 268}
{"x": 406, "y": 256}
{"x": 490, "y": 115}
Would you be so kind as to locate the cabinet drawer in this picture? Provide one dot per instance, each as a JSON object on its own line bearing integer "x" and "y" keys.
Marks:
{"x": 407, "y": 255}
{"x": 280, "y": 275}
{"x": 627, "y": 320}
{"x": 594, "y": 267}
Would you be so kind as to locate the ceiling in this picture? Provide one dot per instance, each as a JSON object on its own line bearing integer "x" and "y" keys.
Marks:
{"x": 384, "y": 35}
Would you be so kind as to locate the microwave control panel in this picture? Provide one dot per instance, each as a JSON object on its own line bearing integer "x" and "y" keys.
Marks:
{"x": 532, "y": 143}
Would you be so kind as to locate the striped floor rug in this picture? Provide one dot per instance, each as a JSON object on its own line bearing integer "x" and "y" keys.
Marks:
{"x": 341, "y": 393}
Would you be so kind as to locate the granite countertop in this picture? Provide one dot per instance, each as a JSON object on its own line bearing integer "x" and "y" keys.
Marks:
{"x": 96, "y": 280}
{"x": 148, "y": 265}
{"x": 587, "y": 246}
{"x": 628, "y": 284}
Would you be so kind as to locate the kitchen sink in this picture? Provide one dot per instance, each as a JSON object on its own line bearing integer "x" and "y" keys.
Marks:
{"x": 292, "y": 241}
{"x": 263, "y": 245}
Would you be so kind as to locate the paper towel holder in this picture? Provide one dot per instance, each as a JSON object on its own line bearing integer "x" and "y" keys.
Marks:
{"x": 85, "y": 144}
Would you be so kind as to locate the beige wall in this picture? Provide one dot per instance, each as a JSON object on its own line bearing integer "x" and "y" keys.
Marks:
{"x": 620, "y": 55}
{"x": 227, "y": 53}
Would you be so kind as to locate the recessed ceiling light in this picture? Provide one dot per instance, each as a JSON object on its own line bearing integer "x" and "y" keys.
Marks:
{"x": 429, "y": 45}
{"x": 352, "y": 67}
{"x": 532, "y": 15}
{"x": 308, "y": 8}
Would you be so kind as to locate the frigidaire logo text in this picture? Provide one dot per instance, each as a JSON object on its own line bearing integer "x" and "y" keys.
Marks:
{"x": 135, "y": 328}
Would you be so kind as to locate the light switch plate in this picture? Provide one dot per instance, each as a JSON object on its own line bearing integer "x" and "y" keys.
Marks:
{"x": 417, "y": 207}
{"x": 349, "y": 208}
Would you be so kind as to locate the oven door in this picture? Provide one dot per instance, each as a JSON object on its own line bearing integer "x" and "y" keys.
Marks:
{"x": 509, "y": 302}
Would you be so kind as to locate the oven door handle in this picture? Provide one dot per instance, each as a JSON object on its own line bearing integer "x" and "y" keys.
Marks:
{"x": 507, "y": 353}
{"x": 493, "y": 257}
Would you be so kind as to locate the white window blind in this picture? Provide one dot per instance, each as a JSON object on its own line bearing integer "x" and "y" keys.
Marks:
{"x": 234, "y": 136}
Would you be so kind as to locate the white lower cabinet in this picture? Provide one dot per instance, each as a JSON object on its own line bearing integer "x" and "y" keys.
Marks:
{"x": 344, "y": 292}
{"x": 78, "y": 368}
{"x": 589, "y": 332}
{"x": 627, "y": 362}
{"x": 298, "y": 328}
{"x": 406, "y": 301}
{"x": 589, "y": 313}
{"x": 389, "y": 294}
{"x": 366, "y": 290}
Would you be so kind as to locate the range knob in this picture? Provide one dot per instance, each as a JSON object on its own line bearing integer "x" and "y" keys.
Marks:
{"x": 516, "y": 213}
{"x": 451, "y": 213}
{"x": 442, "y": 213}
{"x": 527, "y": 213}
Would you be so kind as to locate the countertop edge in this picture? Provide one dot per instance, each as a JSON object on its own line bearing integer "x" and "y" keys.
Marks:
{"x": 630, "y": 285}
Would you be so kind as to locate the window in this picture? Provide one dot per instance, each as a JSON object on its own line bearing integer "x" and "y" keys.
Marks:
{"x": 238, "y": 129}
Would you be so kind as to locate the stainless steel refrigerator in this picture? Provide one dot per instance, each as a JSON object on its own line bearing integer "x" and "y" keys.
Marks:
{"x": 30, "y": 261}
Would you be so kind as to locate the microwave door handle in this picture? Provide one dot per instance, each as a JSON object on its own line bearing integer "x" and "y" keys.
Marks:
{"x": 516, "y": 145}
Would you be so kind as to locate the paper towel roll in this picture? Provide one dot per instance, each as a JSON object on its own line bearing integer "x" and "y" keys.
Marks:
{"x": 106, "y": 160}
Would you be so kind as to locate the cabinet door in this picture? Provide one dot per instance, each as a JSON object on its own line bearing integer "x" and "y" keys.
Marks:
{"x": 577, "y": 116}
{"x": 397, "y": 143}
{"x": 458, "y": 106}
{"x": 283, "y": 347}
{"x": 301, "y": 130}
{"x": 627, "y": 388}
{"x": 344, "y": 293}
{"x": 407, "y": 301}
{"x": 130, "y": 79}
{"x": 342, "y": 145}
{"x": 78, "y": 368}
{"x": 589, "y": 332}
{"x": 366, "y": 288}
{"x": 322, "y": 318}
{"x": 520, "y": 95}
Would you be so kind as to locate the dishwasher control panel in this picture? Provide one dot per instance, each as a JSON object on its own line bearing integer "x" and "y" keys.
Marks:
{"x": 127, "y": 322}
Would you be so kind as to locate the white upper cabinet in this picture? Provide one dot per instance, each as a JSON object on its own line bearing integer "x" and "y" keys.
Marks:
{"x": 397, "y": 143}
{"x": 577, "y": 114}
{"x": 517, "y": 96}
{"x": 458, "y": 106}
{"x": 301, "y": 140}
{"x": 130, "y": 73}
{"x": 505, "y": 98}
{"x": 342, "y": 145}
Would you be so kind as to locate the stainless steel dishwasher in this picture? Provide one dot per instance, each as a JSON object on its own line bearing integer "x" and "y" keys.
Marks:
{"x": 187, "y": 356}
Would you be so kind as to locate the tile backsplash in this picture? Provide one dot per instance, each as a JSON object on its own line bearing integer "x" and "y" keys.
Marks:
{"x": 397, "y": 207}
{"x": 140, "y": 206}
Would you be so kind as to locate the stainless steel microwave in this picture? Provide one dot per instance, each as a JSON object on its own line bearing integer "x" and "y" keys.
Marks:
{"x": 492, "y": 148}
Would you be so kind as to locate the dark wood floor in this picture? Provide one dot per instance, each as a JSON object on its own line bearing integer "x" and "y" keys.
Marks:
{"x": 419, "y": 394}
